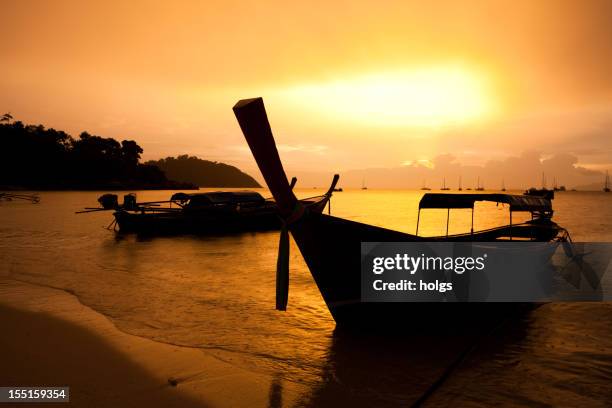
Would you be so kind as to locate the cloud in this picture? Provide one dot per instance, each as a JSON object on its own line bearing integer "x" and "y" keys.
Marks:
{"x": 516, "y": 172}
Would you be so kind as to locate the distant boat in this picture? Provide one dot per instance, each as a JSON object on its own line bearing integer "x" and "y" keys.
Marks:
{"x": 425, "y": 188}
{"x": 363, "y": 184}
{"x": 460, "y": 184}
{"x": 444, "y": 188}
{"x": 338, "y": 190}
{"x": 557, "y": 188}
{"x": 503, "y": 187}
{"x": 195, "y": 213}
{"x": 606, "y": 188}
{"x": 541, "y": 192}
{"x": 478, "y": 186}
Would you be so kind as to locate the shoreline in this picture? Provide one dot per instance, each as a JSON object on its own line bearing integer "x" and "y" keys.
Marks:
{"x": 50, "y": 338}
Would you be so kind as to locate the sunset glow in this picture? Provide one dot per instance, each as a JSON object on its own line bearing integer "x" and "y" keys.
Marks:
{"x": 423, "y": 97}
{"x": 348, "y": 86}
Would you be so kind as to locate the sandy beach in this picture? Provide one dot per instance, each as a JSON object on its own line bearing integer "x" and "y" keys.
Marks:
{"x": 49, "y": 338}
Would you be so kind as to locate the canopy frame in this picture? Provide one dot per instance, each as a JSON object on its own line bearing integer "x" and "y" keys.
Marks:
{"x": 539, "y": 207}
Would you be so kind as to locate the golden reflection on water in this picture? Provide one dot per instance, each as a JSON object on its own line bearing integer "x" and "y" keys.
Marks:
{"x": 217, "y": 293}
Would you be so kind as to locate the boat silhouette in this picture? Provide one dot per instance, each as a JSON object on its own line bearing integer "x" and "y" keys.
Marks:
{"x": 363, "y": 184}
{"x": 330, "y": 245}
{"x": 444, "y": 188}
{"x": 479, "y": 187}
{"x": 541, "y": 192}
{"x": 209, "y": 212}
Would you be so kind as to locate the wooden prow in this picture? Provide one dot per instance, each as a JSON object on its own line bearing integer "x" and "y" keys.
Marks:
{"x": 253, "y": 120}
{"x": 330, "y": 191}
{"x": 293, "y": 182}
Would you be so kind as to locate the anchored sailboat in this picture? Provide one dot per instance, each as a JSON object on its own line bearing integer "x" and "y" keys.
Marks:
{"x": 363, "y": 184}
{"x": 479, "y": 187}
{"x": 444, "y": 185}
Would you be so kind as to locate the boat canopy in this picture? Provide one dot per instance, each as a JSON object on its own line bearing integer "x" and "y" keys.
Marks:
{"x": 219, "y": 197}
{"x": 516, "y": 202}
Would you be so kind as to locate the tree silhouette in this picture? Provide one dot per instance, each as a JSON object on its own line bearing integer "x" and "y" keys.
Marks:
{"x": 34, "y": 157}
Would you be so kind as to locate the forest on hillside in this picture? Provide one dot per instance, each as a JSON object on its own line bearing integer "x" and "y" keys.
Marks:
{"x": 39, "y": 158}
{"x": 35, "y": 157}
{"x": 204, "y": 173}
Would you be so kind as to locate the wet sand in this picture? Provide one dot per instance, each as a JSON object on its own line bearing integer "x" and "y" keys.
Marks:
{"x": 49, "y": 338}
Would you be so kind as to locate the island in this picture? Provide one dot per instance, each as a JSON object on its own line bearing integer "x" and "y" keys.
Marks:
{"x": 203, "y": 173}
{"x": 34, "y": 157}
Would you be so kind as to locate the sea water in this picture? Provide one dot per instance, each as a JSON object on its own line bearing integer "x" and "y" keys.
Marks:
{"x": 216, "y": 293}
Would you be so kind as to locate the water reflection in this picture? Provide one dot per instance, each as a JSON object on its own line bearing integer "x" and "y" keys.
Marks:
{"x": 217, "y": 294}
{"x": 400, "y": 369}
{"x": 275, "y": 396}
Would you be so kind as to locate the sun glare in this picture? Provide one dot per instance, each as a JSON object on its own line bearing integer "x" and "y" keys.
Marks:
{"x": 429, "y": 97}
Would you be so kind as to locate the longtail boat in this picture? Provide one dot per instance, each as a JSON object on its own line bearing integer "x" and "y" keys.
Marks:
{"x": 209, "y": 212}
{"x": 331, "y": 245}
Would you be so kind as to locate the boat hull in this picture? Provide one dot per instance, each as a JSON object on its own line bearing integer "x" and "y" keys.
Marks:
{"x": 331, "y": 248}
{"x": 415, "y": 317}
{"x": 194, "y": 223}
{"x": 222, "y": 219}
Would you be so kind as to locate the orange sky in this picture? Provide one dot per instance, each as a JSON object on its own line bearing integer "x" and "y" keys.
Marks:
{"x": 348, "y": 85}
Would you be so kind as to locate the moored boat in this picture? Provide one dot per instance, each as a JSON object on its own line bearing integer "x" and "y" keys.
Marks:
{"x": 330, "y": 245}
{"x": 208, "y": 212}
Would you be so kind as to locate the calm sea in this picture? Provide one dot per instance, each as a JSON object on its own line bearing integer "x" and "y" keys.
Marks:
{"x": 217, "y": 294}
